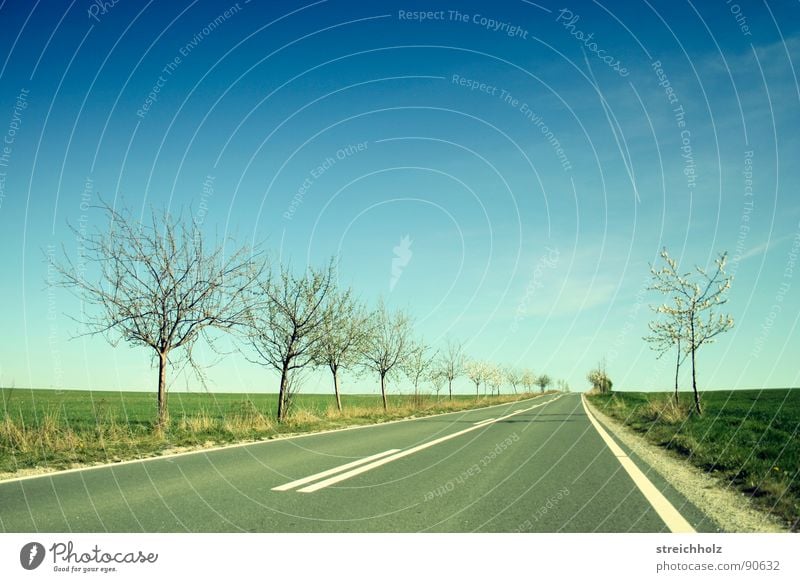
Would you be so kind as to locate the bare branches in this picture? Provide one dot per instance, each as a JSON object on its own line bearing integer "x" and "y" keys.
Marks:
{"x": 388, "y": 344}
{"x": 345, "y": 329}
{"x": 451, "y": 363}
{"x": 155, "y": 284}
{"x": 437, "y": 380}
{"x": 418, "y": 364}
{"x": 528, "y": 380}
{"x": 286, "y": 326}
{"x": 495, "y": 378}
{"x": 514, "y": 377}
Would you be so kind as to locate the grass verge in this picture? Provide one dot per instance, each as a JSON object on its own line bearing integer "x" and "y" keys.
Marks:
{"x": 748, "y": 438}
{"x": 44, "y": 430}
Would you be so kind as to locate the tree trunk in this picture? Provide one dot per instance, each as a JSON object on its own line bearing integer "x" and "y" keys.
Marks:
{"x": 282, "y": 396}
{"x": 383, "y": 391}
{"x": 450, "y": 388}
{"x": 694, "y": 387}
{"x": 163, "y": 413}
{"x": 477, "y": 390}
{"x": 677, "y": 369}
{"x": 336, "y": 388}
{"x": 694, "y": 376}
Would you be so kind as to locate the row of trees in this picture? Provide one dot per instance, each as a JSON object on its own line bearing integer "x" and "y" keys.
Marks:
{"x": 158, "y": 285}
{"x": 493, "y": 377}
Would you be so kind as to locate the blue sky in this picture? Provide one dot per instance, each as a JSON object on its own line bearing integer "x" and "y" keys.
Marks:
{"x": 537, "y": 155}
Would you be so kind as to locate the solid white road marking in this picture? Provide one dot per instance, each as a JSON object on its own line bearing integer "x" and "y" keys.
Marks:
{"x": 482, "y": 421}
{"x": 665, "y": 510}
{"x": 333, "y": 471}
{"x": 363, "y": 469}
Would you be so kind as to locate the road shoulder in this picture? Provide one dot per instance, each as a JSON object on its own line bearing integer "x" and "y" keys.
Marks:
{"x": 729, "y": 509}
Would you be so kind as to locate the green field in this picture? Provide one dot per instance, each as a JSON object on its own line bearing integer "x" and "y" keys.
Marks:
{"x": 57, "y": 429}
{"x": 749, "y": 438}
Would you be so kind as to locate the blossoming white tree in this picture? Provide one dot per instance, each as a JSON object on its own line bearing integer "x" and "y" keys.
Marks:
{"x": 478, "y": 373}
{"x": 528, "y": 380}
{"x": 494, "y": 378}
{"x": 692, "y": 316}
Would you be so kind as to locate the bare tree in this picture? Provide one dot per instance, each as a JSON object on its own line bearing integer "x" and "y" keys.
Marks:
{"x": 157, "y": 284}
{"x": 528, "y": 380}
{"x": 477, "y": 372}
{"x": 452, "y": 363}
{"x": 563, "y": 385}
{"x": 514, "y": 377}
{"x": 543, "y": 382}
{"x": 388, "y": 344}
{"x": 437, "y": 379}
{"x": 345, "y": 328}
{"x": 695, "y": 296}
{"x": 417, "y": 365}
{"x": 286, "y": 328}
{"x": 494, "y": 378}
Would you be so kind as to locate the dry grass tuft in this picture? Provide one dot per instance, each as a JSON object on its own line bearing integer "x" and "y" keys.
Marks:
{"x": 301, "y": 416}
{"x": 199, "y": 422}
{"x": 247, "y": 422}
{"x": 664, "y": 409}
{"x": 50, "y": 434}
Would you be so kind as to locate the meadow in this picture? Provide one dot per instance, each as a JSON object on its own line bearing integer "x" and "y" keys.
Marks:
{"x": 59, "y": 429}
{"x": 748, "y": 438}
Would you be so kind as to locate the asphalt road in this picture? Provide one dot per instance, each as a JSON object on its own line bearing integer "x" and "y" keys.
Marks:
{"x": 538, "y": 465}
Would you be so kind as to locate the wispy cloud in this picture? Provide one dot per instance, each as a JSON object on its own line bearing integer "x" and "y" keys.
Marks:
{"x": 763, "y": 248}
{"x": 570, "y": 282}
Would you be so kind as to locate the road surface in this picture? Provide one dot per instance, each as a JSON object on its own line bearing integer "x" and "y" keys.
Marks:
{"x": 537, "y": 465}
